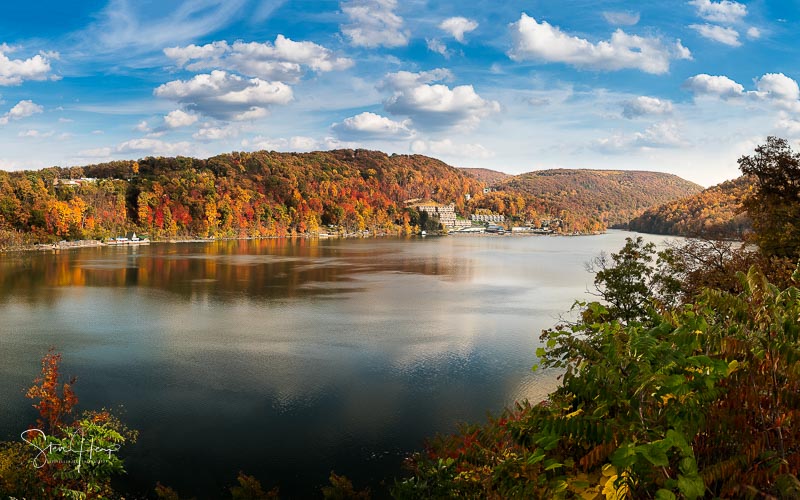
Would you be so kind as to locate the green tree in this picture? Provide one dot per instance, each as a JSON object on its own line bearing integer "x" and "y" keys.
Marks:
{"x": 632, "y": 280}
{"x": 774, "y": 207}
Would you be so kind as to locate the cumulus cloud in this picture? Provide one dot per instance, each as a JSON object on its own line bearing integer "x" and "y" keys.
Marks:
{"x": 226, "y": 96}
{"x": 404, "y": 79}
{"x": 155, "y": 147}
{"x": 777, "y": 86}
{"x": 372, "y": 126}
{"x": 658, "y": 136}
{"x": 373, "y": 23}
{"x": 142, "y": 126}
{"x": 712, "y": 85}
{"x": 725, "y": 11}
{"x": 621, "y": 18}
{"x": 282, "y": 60}
{"x": 457, "y": 26}
{"x": 22, "y": 109}
{"x": 435, "y": 106}
{"x": 179, "y": 118}
{"x": 646, "y": 106}
{"x": 727, "y": 36}
{"x": 774, "y": 88}
{"x": 447, "y": 147}
{"x": 537, "y": 41}
{"x": 16, "y": 71}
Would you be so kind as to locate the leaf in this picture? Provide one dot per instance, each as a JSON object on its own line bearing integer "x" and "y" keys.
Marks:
{"x": 663, "y": 494}
{"x": 654, "y": 454}
{"x": 691, "y": 486}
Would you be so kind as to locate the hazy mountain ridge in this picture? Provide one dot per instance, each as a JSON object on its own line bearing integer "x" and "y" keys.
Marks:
{"x": 612, "y": 196}
{"x": 487, "y": 175}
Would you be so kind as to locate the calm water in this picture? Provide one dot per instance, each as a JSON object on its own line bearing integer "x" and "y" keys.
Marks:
{"x": 287, "y": 359}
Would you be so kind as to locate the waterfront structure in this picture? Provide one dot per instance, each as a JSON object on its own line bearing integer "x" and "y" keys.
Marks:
{"x": 445, "y": 214}
{"x": 488, "y": 218}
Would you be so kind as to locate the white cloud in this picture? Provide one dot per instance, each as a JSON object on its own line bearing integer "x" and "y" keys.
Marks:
{"x": 226, "y": 96}
{"x": 787, "y": 126}
{"x": 660, "y": 135}
{"x": 436, "y": 45}
{"x": 179, "y": 118}
{"x": 22, "y": 109}
{"x": 126, "y": 29}
{"x": 405, "y": 79}
{"x": 646, "y": 106}
{"x": 774, "y": 88}
{"x": 435, "y": 106}
{"x": 372, "y": 126}
{"x": 777, "y": 86}
{"x": 457, "y": 26}
{"x": 155, "y": 147}
{"x": 35, "y": 133}
{"x": 447, "y": 147}
{"x": 621, "y": 18}
{"x": 266, "y": 143}
{"x": 143, "y": 127}
{"x": 716, "y": 86}
{"x": 182, "y": 55}
{"x": 753, "y": 33}
{"x": 725, "y": 11}
{"x": 211, "y": 133}
{"x": 16, "y": 71}
{"x": 727, "y": 36}
{"x": 373, "y": 23}
{"x": 542, "y": 42}
{"x": 282, "y": 60}
{"x": 301, "y": 143}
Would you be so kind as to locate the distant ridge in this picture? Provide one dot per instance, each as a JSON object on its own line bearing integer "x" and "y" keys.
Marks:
{"x": 716, "y": 211}
{"x": 486, "y": 175}
{"x": 612, "y": 196}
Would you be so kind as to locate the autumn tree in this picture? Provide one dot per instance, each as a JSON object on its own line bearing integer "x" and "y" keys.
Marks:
{"x": 55, "y": 399}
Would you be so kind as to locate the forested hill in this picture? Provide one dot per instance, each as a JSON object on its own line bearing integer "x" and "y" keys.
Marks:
{"x": 230, "y": 195}
{"x": 613, "y": 196}
{"x": 487, "y": 176}
{"x": 716, "y": 211}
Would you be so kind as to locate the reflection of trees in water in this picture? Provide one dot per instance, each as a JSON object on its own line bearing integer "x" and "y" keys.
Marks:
{"x": 225, "y": 270}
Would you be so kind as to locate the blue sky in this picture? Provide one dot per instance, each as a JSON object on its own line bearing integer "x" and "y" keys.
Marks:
{"x": 680, "y": 86}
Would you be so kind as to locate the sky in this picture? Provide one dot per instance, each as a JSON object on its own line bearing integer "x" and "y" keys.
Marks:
{"x": 684, "y": 87}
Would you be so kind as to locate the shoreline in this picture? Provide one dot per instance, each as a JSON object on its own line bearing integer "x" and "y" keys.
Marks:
{"x": 71, "y": 245}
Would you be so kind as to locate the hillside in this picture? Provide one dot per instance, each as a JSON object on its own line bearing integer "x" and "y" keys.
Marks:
{"x": 230, "y": 195}
{"x": 487, "y": 176}
{"x": 612, "y": 196}
{"x": 714, "y": 211}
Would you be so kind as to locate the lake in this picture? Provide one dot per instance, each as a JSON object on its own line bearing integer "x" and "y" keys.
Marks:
{"x": 288, "y": 358}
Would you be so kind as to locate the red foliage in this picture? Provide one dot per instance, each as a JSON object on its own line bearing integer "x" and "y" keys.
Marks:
{"x": 54, "y": 404}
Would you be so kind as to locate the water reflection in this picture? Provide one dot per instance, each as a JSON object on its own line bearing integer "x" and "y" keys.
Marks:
{"x": 288, "y": 358}
{"x": 223, "y": 270}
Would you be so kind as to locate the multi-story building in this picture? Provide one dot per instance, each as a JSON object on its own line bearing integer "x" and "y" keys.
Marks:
{"x": 488, "y": 218}
{"x": 445, "y": 214}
